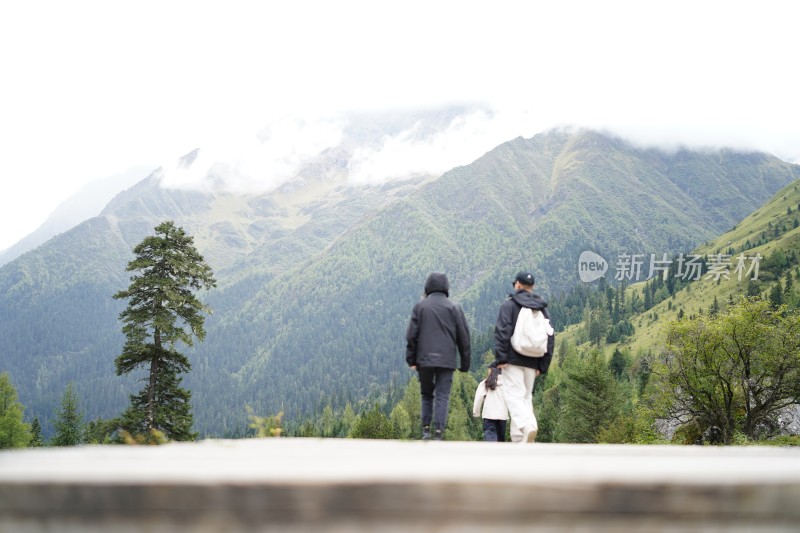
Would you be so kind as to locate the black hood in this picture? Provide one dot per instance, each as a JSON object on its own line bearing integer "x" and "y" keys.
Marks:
{"x": 528, "y": 299}
{"x": 437, "y": 282}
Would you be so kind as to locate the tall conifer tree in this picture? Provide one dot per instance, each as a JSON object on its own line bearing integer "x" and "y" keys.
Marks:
{"x": 162, "y": 312}
{"x": 36, "y": 434}
{"x": 69, "y": 422}
{"x": 590, "y": 400}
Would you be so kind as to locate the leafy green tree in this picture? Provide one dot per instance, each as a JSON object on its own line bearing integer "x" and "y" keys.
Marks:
{"x": 633, "y": 426}
{"x": 162, "y": 312}
{"x": 590, "y": 400}
{"x": 738, "y": 371}
{"x": 14, "y": 433}
{"x": 69, "y": 420}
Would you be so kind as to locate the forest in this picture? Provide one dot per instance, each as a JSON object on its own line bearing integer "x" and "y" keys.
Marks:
{"x": 597, "y": 390}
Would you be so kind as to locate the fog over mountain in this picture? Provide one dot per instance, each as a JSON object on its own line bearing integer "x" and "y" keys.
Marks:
{"x": 84, "y": 204}
{"x": 380, "y": 147}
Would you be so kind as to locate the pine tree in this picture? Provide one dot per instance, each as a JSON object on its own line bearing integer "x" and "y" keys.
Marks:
{"x": 714, "y": 307}
{"x": 327, "y": 422}
{"x": 349, "y": 419}
{"x": 411, "y": 402}
{"x": 373, "y": 425}
{"x": 161, "y": 305}
{"x": 14, "y": 433}
{"x": 69, "y": 420}
{"x": 776, "y": 295}
{"x": 36, "y": 434}
{"x": 401, "y": 422}
{"x": 619, "y": 363}
{"x": 590, "y": 400}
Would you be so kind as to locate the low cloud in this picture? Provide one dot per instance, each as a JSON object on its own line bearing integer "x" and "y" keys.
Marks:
{"x": 257, "y": 163}
{"x": 370, "y": 149}
{"x": 418, "y": 151}
{"x": 435, "y": 142}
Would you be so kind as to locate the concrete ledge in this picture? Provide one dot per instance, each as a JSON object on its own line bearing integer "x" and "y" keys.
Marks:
{"x": 358, "y": 485}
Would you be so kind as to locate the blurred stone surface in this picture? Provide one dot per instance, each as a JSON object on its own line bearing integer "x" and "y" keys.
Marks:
{"x": 301, "y": 485}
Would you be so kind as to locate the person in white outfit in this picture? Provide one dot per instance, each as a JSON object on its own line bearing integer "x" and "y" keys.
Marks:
{"x": 490, "y": 406}
{"x": 520, "y": 371}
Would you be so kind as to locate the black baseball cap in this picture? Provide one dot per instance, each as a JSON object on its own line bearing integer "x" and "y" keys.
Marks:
{"x": 526, "y": 278}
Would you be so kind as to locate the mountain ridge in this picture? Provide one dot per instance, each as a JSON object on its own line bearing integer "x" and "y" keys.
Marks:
{"x": 315, "y": 309}
{"x": 84, "y": 204}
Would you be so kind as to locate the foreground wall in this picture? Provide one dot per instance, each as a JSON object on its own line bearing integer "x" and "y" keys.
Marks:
{"x": 357, "y": 485}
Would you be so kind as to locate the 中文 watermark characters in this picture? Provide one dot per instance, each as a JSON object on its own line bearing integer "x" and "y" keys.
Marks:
{"x": 635, "y": 267}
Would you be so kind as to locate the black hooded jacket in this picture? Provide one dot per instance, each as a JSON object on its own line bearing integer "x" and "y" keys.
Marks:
{"x": 504, "y": 329}
{"x": 437, "y": 328}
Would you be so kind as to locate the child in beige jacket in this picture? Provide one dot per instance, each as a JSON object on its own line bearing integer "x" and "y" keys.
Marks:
{"x": 493, "y": 411}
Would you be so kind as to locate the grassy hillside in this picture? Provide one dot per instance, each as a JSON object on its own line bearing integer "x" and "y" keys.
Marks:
{"x": 772, "y": 232}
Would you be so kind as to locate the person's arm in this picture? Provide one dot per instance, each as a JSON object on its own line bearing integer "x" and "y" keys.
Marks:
{"x": 480, "y": 395}
{"x": 544, "y": 362}
{"x": 412, "y": 333}
{"x": 503, "y": 329}
{"x": 463, "y": 341}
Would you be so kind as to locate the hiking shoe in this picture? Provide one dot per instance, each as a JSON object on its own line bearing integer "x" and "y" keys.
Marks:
{"x": 426, "y": 433}
{"x": 530, "y": 434}
{"x": 438, "y": 435}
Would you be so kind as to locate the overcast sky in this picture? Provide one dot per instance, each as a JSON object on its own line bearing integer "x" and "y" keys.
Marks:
{"x": 90, "y": 89}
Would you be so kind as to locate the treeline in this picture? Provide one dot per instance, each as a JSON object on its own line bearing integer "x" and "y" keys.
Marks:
{"x": 586, "y": 396}
{"x": 582, "y": 399}
{"x": 69, "y": 427}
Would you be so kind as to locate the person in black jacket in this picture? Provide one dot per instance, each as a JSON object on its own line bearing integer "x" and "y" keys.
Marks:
{"x": 436, "y": 330}
{"x": 520, "y": 371}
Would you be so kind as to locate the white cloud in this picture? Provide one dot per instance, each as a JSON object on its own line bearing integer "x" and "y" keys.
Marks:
{"x": 414, "y": 152}
{"x": 256, "y": 163}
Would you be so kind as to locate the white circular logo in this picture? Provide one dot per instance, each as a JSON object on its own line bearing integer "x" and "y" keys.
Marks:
{"x": 591, "y": 266}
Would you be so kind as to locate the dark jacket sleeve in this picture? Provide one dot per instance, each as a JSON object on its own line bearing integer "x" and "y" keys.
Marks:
{"x": 544, "y": 363}
{"x": 412, "y": 334}
{"x": 503, "y": 329}
{"x": 462, "y": 340}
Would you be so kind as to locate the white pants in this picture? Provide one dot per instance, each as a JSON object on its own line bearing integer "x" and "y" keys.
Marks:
{"x": 518, "y": 394}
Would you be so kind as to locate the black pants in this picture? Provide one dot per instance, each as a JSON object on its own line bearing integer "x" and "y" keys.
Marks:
{"x": 434, "y": 386}
{"x": 494, "y": 430}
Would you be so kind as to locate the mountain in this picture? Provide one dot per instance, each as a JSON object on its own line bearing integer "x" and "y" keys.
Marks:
{"x": 770, "y": 233}
{"x": 317, "y": 277}
{"x": 84, "y": 204}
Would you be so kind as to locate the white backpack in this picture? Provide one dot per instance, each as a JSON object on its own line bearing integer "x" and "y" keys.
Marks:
{"x": 531, "y": 333}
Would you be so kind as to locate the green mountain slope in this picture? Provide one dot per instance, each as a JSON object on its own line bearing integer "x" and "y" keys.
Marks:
{"x": 754, "y": 256}
{"x": 316, "y": 283}
{"x": 333, "y": 327}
